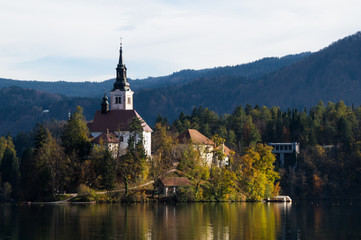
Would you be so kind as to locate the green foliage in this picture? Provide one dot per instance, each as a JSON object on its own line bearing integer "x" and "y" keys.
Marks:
{"x": 23, "y": 108}
{"x": 194, "y": 169}
{"x": 86, "y": 194}
{"x": 106, "y": 168}
{"x": 75, "y": 135}
{"x": 256, "y": 175}
{"x": 52, "y": 166}
{"x": 28, "y": 176}
{"x": 162, "y": 152}
{"x": 222, "y": 183}
{"x": 9, "y": 169}
{"x": 131, "y": 166}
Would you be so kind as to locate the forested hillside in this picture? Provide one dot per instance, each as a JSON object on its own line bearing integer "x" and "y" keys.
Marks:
{"x": 332, "y": 74}
{"x": 21, "y": 109}
{"x": 329, "y": 163}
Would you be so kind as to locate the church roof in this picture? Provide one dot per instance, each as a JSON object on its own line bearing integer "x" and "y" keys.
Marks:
{"x": 106, "y": 137}
{"x": 115, "y": 120}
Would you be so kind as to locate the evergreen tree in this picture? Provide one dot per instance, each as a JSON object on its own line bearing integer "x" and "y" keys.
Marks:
{"x": 106, "y": 169}
{"x": 28, "y": 176}
{"x": 131, "y": 166}
{"x": 75, "y": 135}
{"x": 9, "y": 169}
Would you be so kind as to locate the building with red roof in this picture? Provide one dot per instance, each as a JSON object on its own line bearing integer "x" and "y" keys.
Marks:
{"x": 205, "y": 147}
{"x": 112, "y": 126}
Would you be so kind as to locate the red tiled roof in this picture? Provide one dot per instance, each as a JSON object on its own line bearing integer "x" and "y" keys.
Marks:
{"x": 195, "y": 137}
{"x": 175, "y": 181}
{"x": 106, "y": 137}
{"x": 115, "y": 120}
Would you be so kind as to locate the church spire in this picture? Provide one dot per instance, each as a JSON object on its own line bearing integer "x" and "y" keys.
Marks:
{"x": 105, "y": 103}
{"x": 121, "y": 82}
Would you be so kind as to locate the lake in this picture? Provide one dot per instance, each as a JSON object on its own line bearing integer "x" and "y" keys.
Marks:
{"x": 297, "y": 220}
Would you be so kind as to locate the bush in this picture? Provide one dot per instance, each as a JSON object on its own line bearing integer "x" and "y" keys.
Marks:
{"x": 86, "y": 194}
{"x": 185, "y": 194}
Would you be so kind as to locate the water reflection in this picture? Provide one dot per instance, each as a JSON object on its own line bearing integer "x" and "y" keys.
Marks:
{"x": 182, "y": 221}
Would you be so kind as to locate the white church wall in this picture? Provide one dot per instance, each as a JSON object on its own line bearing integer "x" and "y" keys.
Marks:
{"x": 147, "y": 142}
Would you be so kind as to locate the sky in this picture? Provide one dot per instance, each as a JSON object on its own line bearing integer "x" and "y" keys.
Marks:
{"x": 78, "y": 40}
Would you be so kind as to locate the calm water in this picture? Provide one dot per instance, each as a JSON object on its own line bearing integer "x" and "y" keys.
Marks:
{"x": 299, "y": 220}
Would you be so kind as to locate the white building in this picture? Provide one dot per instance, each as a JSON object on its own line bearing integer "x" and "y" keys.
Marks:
{"x": 111, "y": 126}
{"x": 205, "y": 147}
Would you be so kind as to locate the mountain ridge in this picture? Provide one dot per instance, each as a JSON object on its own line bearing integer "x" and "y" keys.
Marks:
{"x": 331, "y": 74}
{"x": 96, "y": 89}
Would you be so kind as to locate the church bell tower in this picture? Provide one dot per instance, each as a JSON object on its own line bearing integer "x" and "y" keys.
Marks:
{"x": 121, "y": 95}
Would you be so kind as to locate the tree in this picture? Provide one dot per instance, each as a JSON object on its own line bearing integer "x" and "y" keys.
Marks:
{"x": 106, "y": 168}
{"x": 9, "y": 169}
{"x": 193, "y": 168}
{"x": 256, "y": 175}
{"x": 76, "y": 144}
{"x": 28, "y": 176}
{"x": 75, "y": 135}
{"x": 131, "y": 166}
{"x": 222, "y": 183}
{"x": 218, "y": 151}
{"x": 52, "y": 165}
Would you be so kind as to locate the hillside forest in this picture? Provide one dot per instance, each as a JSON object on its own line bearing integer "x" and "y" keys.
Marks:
{"x": 57, "y": 157}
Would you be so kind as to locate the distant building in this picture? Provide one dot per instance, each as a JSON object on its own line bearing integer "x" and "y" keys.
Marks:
{"x": 285, "y": 148}
{"x": 204, "y": 146}
{"x": 111, "y": 126}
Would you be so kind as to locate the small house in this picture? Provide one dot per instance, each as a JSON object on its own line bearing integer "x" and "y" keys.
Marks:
{"x": 168, "y": 186}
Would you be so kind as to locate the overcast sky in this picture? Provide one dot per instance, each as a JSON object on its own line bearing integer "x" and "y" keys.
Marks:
{"x": 78, "y": 40}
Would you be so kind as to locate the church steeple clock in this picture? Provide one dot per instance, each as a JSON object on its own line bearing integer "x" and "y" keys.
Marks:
{"x": 121, "y": 95}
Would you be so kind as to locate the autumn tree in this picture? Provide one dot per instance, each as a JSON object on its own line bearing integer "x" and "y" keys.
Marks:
{"x": 193, "y": 168}
{"x": 256, "y": 175}
{"x": 52, "y": 166}
{"x": 163, "y": 151}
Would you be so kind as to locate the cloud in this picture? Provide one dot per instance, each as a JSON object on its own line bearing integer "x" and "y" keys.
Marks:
{"x": 161, "y": 36}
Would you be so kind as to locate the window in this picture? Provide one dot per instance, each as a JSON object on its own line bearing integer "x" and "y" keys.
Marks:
{"x": 129, "y": 100}
{"x": 121, "y": 139}
{"x": 118, "y": 99}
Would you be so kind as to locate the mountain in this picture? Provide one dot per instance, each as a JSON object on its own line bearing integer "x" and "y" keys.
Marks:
{"x": 96, "y": 89}
{"x": 21, "y": 109}
{"x": 331, "y": 74}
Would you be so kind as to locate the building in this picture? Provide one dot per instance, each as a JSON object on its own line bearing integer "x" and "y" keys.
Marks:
{"x": 285, "y": 148}
{"x": 204, "y": 146}
{"x": 110, "y": 126}
{"x": 168, "y": 186}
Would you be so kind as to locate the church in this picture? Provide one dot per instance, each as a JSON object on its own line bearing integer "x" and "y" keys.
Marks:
{"x": 110, "y": 126}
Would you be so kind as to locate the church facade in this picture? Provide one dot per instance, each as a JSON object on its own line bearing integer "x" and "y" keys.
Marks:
{"x": 110, "y": 125}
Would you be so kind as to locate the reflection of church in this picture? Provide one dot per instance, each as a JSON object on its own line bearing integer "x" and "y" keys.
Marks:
{"x": 111, "y": 126}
